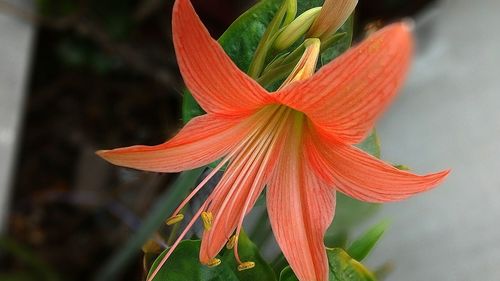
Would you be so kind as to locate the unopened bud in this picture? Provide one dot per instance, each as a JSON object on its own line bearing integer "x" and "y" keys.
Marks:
{"x": 296, "y": 29}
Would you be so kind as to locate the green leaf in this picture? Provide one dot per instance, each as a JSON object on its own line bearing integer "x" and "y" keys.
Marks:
{"x": 164, "y": 206}
{"x": 341, "y": 45}
{"x": 361, "y": 247}
{"x": 371, "y": 144}
{"x": 342, "y": 268}
{"x": 249, "y": 252}
{"x": 288, "y": 275}
{"x": 184, "y": 264}
{"x": 304, "y": 5}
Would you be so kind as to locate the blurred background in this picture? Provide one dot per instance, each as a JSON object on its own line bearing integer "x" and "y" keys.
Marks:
{"x": 77, "y": 76}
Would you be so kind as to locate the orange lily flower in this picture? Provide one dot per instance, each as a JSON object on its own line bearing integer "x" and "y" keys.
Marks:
{"x": 298, "y": 141}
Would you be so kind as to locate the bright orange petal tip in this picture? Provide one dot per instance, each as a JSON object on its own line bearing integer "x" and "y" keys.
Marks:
{"x": 216, "y": 83}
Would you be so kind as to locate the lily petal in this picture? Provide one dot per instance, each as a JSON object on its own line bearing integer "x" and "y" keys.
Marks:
{"x": 300, "y": 207}
{"x": 214, "y": 80}
{"x": 203, "y": 140}
{"x": 346, "y": 97}
{"x": 362, "y": 176}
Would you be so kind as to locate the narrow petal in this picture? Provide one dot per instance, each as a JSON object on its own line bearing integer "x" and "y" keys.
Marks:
{"x": 333, "y": 15}
{"x": 362, "y": 176}
{"x": 203, "y": 140}
{"x": 346, "y": 97}
{"x": 214, "y": 80}
{"x": 300, "y": 207}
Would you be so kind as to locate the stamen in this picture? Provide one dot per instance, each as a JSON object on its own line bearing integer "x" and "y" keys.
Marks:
{"x": 174, "y": 219}
{"x": 224, "y": 161}
{"x": 208, "y": 219}
{"x": 246, "y": 265}
{"x": 232, "y": 241}
{"x": 260, "y": 173}
{"x": 213, "y": 262}
{"x": 245, "y": 162}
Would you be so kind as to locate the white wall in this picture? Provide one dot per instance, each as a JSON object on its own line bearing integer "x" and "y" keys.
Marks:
{"x": 16, "y": 38}
{"x": 448, "y": 116}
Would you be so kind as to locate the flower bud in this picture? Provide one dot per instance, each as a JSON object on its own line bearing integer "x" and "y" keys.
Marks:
{"x": 332, "y": 17}
{"x": 296, "y": 29}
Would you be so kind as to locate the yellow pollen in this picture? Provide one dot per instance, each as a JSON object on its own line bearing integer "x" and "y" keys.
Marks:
{"x": 246, "y": 265}
{"x": 207, "y": 218}
{"x": 175, "y": 219}
{"x": 213, "y": 262}
{"x": 231, "y": 242}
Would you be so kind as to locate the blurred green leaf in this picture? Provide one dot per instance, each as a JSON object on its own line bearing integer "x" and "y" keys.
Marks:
{"x": 34, "y": 265}
{"x": 162, "y": 209}
{"x": 342, "y": 268}
{"x": 362, "y": 246}
{"x": 18, "y": 276}
{"x": 56, "y": 8}
{"x": 79, "y": 53}
{"x": 184, "y": 264}
{"x": 371, "y": 144}
{"x": 349, "y": 213}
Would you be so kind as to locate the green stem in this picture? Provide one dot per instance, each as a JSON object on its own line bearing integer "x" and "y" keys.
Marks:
{"x": 265, "y": 44}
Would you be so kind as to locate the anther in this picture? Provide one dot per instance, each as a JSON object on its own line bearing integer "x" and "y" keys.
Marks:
{"x": 175, "y": 219}
{"x": 246, "y": 265}
{"x": 151, "y": 247}
{"x": 207, "y": 218}
{"x": 213, "y": 262}
{"x": 231, "y": 242}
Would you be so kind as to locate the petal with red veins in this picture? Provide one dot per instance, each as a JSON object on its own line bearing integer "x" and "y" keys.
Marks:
{"x": 214, "y": 80}
{"x": 203, "y": 140}
{"x": 300, "y": 207}
{"x": 346, "y": 96}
